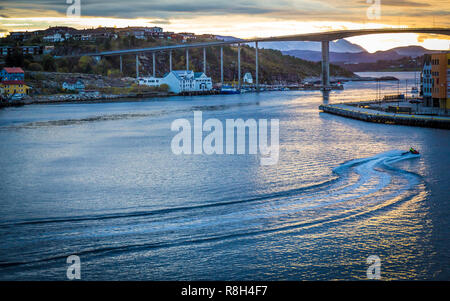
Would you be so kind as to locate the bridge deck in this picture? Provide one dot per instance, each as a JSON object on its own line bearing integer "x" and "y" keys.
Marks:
{"x": 315, "y": 37}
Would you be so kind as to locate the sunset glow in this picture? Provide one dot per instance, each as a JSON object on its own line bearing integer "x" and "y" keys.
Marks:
{"x": 240, "y": 19}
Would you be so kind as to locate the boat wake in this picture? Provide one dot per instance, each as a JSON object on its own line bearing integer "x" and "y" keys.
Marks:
{"x": 361, "y": 187}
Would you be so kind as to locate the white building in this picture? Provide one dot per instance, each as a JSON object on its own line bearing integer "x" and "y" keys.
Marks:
{"x": 150, "y": 81}
{"x": 248, "y": 79}
{"x": 427, "y": 82}
{"x": 180, "y": 81}
{"x": 202, "y": 82}
{"x": 57, "y": 37}
{"x": 73, "y": 85}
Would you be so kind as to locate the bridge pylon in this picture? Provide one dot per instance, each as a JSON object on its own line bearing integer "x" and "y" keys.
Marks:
{"x": 326, "y": 66}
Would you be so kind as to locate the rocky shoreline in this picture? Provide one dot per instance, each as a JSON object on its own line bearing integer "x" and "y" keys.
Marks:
{"x": 88, "y": 97}
{"x": 62, "y": 98}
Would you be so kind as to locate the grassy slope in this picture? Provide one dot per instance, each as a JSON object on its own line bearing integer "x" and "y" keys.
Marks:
{"x": 273, "y": 65}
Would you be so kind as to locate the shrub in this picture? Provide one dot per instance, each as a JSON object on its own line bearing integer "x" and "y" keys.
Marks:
{"x": 163, "y": 88}
{"x": 35, "y": 67}
{"x": 114, "y": 73}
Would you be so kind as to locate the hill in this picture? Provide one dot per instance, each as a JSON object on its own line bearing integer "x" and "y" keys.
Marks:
{"x": 274, "y": 66}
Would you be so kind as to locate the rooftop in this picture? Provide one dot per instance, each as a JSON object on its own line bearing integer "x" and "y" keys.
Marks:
{"x": 13, "y": 70}
{"x": 13, "y": 82}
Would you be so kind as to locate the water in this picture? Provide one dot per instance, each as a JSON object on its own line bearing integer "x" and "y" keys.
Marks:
{"x": 100, "y": 181}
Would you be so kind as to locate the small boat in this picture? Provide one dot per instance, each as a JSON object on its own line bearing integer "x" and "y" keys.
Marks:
{"x": 15, "y": 97}
{"x": 412, "y": 151}
{"x": 337, "y": 86}
{"x": 229, "y": 90}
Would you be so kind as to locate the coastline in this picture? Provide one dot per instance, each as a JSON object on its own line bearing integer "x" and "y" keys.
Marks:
{"x": 76, "y": 98}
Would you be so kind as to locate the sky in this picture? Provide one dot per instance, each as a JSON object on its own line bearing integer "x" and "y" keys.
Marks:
{"x": 240, "y": 18}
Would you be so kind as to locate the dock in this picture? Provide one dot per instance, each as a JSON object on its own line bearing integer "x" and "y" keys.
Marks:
{"x": 370, "y": 115}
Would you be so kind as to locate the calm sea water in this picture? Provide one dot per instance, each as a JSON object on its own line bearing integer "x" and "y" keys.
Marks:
{"x": 100, "y": 181}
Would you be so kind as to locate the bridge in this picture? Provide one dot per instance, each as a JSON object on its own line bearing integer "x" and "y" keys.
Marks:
{"x": 323, "y": 37}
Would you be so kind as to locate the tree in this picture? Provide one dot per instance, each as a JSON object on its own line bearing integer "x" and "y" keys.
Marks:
{"x": 164, "y": 88}
{"x": 102, "y": 67}
{"x": 15, "y": 59}
{"x": 85, "y": 64}
{"x": 48, "y": 63}
{"x": 114, "y": 73}
{"x": 63, "y": 65}
{"x": 35, "y": 67}
{"x": 107, "y": 44}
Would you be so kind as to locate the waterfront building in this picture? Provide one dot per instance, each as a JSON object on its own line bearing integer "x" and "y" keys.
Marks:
{"x": 14, "y": 87}
{"x": 440, "y": 71}
{"x": 150, "y": 81}
{"x": 73, "y": 85}
{"x": 202, "y": 82}
{"x": 12, "y": 74}
{"x": 427, "y": 82}
{"x": 181, "y": 81}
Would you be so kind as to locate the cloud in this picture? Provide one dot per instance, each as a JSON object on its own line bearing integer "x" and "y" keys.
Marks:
{"x": 422, "y": 37}
{"x": 170, "y": 12}
{"x": 159, "y": 22}
{"x": 403, "y": 3}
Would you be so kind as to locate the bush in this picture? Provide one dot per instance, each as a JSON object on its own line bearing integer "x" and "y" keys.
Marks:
{"x": 48, "y": 63}
{"x": 63, "y": 69}
{"x": 35, "y": 67}
{"x": 114, "y": 73}
{"x": 85, "y": 64}
{"x": 163, "y": 88}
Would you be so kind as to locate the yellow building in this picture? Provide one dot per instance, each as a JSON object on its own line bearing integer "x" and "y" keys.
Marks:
{"x": 14, "y": 87}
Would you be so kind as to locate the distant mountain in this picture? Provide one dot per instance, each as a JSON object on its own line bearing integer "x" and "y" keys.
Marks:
{"x": 335, "y": 57}
{"x": 341, "y": 51}
{"x": 413, "y": 51}
{"x": 362, "y": 57}
{"x": 336, "y": 46}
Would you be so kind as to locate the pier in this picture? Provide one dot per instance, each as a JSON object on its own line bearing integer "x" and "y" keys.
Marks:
{"x": 369, "y": 115}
